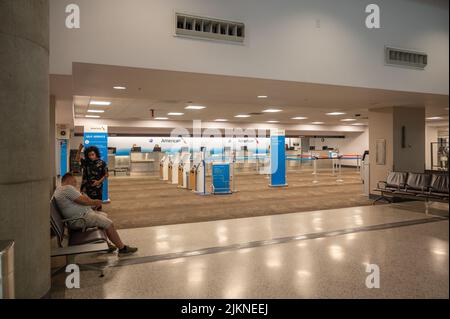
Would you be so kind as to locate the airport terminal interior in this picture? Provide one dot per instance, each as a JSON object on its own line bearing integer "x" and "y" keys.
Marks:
{"x": 250, "y": 149}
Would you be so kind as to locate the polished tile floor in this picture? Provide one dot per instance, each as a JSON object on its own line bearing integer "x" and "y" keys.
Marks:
{"x": 320, "y": 254}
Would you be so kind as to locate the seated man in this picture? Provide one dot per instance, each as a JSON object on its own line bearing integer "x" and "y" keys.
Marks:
{"x": 73, "y": 204}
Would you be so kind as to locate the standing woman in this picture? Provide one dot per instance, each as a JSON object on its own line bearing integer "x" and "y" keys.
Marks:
{"x": 95, "y": 171}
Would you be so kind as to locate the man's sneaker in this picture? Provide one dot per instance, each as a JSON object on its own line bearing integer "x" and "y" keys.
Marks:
{"x": 127, "y": 250}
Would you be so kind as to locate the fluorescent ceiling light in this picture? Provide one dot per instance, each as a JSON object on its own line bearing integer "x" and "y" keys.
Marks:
{"x": 299, "y": 118}
{"x": 102, "y": 103}
{"x": 435, "y": 118}
{"x": 195, "y": 107}
{"x": 317, "y": 123}
{"x": 262, "y": 96}
{"x": 359, "y": 124}
{"x": 161, "y": 118}
{"x": 96, "y": 111}
{"x": 242, "y": 116}
{"x": 273, "y": 121}
{"x": 220, "y": 120}
{"x": 348, "y": 120}
{"x": 119, "y": 88}
{"x": 336, "y": 113}
{"x": 92, "y": 116}
{"x": 272, "y": 111}
{"x": 175, "y": 114}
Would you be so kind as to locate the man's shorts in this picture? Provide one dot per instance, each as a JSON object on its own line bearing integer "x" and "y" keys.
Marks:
{"x": 93, "y": 219}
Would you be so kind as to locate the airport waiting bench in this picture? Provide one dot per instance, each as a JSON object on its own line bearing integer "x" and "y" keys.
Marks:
{"x": 85, "y": 241}
{"x": 414, "y": 186}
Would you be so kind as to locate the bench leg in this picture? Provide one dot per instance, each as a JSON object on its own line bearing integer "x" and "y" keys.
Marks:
{"x": 382, "y": 197}
{"x": 71, "y": 260}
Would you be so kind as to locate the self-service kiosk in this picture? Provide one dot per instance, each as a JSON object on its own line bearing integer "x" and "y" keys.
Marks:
{"x": 174, "y": 169}
{"x": 164, "y": 168}
{"x": 184, "y": 170}
{"x": 365, "y": 173}
{"x": 197, "y": 174}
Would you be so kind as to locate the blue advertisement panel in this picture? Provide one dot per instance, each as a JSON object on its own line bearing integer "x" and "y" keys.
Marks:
{"x": 63, "y": 159}
{"x": 278, "y": 161}
{"x": 221, "y": 178}
{"x": 101, "y": 141}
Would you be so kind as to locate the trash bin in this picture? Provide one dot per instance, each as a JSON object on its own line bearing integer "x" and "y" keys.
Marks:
{"x": 6, "y": 269}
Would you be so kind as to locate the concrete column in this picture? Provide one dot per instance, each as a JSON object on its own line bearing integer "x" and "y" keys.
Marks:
{"x": 24, "y": 142}
{"x": 403, "y": 131}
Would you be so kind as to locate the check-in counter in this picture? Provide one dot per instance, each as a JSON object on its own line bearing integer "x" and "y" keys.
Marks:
{"x": 145, "y": 163}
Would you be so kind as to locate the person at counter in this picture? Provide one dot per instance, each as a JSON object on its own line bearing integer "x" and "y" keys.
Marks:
{"x": 157, "y": 148}
{"x": 95, "y": 171}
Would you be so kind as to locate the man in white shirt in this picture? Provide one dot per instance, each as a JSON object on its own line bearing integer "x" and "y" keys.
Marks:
{"x": 73, "y": 204}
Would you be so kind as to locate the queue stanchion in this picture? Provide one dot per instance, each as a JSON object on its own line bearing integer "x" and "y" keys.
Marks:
{"x": 339, "y": 177}
{"x": 315, "y": 180}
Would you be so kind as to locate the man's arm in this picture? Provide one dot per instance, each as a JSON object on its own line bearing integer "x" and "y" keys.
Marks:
{"x": 86, "y": 201}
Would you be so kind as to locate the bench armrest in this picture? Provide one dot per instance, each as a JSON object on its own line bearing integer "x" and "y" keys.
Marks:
{"x": 381, "y": 185}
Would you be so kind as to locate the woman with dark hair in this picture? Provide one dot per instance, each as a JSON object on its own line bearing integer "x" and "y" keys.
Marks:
{"x": 95, "y": 171}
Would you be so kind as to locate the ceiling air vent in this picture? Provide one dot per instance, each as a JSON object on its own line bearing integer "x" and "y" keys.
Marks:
{"x": 406, "y": 58}
{"x": 208, "y": 28}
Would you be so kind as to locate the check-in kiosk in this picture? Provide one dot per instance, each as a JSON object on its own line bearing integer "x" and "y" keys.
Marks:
{"x": 184, "y": 170}
{"x": 365, "y": 173}
{"x": 164, "y": 167}
{"x": 197, "y": 175}
{"x": 174, "y": 168}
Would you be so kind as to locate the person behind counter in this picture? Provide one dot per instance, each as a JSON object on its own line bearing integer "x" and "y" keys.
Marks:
{"x": 157, "y": 148}
{"x": 95, "y": 171}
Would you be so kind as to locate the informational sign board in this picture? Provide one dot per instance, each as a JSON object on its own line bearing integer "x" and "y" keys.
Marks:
{"x": 277, "y": 158}
{"x": 221, "y": 178}
{"x": 63, "y": 149}
{"x": 98, "y": 136}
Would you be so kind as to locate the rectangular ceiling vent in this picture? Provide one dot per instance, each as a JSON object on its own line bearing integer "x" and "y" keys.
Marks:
{"x": 208, "y": 28}
{"x": 406, "y": 58}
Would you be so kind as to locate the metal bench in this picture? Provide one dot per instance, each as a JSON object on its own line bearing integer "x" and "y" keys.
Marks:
{"x": 85, "y": 241}
{"x": 414, "y": 186}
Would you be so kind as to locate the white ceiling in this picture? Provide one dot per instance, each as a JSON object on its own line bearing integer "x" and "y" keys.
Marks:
{"x": 225, "y": 96}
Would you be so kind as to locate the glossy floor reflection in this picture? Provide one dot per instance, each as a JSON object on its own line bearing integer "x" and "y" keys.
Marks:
{"x": 413, "y": 259}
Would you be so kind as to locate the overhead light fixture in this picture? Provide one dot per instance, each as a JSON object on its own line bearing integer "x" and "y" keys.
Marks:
{"x": 195, "y": 107}
{"x": 273, "y": 121}
{"x": 348, "y": 120}
{"x": 161, "y": 118}
{"x": 262, "y": 96}
{"x": 242, "y": 116}
{"x": 317, "y": 123}
{"x": 336, "y": 113}
{"x": 359, "y": 124}
{"x": 119, "y": 88}
{"x": 92, "y": 116}
{"x": 175, "y": 114}
{"x": 220, "y": 120}
{"x": 435, "y": 118}
{"x": 272, "y": 111}
{"x": 300, "y": 118}
{"x": 96, "y": 111}
{"x": 101, "y": 103}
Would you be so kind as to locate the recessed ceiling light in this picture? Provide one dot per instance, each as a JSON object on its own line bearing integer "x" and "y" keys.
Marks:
{"x": 272, "y": 111}
{"x": 220, "y": 120}
{"x": 435, "y": 118}
{"x": 195, "y": 107}
{"x": 336, "y": 113}
{"x": 317, "y": 123}
{"x": 242, "y": 116}
{"x": 175, "y": 113}
{"x": 300, "y": 118}
{"x": 273, "y": 121}
{"x": 101, "y": 103}
{"x": 262, "y": 96}
{"x": 92, "y": 116}
{"x": 348, "y": 120}
{"x": 119, "y": 88}
{"x": 359, "y": 124}
{"x": 161, "y": 118}
{"x": 96, "y": 111}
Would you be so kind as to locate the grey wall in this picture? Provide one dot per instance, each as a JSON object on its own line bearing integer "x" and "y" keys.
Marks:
{"x": 411, "y": 157}
{"x": 24, "y": 146}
